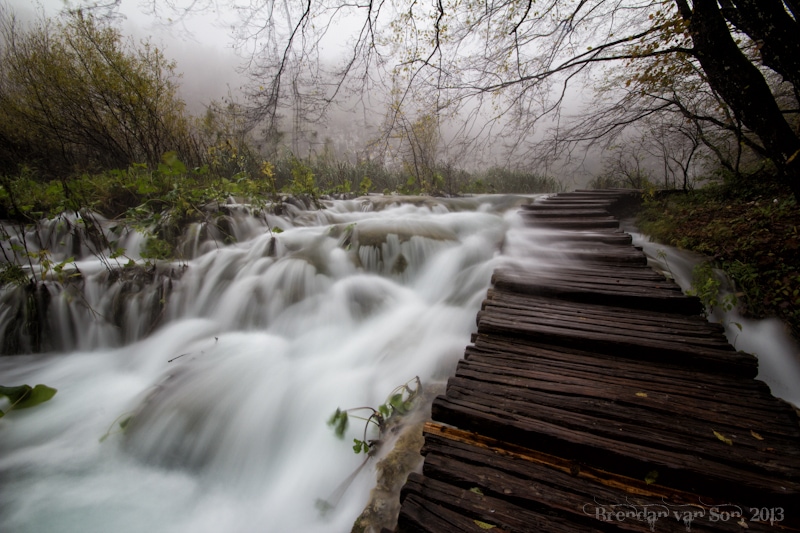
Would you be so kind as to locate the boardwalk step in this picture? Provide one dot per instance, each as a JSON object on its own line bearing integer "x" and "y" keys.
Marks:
{"x": 594, "y": 385}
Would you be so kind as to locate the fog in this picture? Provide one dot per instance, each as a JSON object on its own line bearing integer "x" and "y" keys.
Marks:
{"x": 202, "y": 45}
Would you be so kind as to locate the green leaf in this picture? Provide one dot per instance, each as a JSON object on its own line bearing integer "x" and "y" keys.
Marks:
{"x": 651, "y": 477}
{"x": 25, "y": 396}
{"x": 339, "y": 422}
{"x": 397, "y": 403}
{"x": 119, "y": 252}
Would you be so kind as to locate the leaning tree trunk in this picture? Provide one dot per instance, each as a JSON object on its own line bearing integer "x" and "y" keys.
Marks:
{"x": 742, "y": 86}
{"x": 777, "y": 34}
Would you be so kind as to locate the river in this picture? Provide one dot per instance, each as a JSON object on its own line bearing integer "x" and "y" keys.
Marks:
{"x": 225, "y": 368}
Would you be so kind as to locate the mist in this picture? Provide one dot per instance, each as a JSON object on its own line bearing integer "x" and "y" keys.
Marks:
{"x": 211, "y": 70}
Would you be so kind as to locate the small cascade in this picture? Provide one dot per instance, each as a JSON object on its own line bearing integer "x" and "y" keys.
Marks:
{"x": 768, "y": 339}
{"x": 193, "y": 395}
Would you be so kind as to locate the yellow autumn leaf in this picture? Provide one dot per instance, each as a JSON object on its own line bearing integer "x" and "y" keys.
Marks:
{"x": 723, "y": 438}
{"x": 756, "y": 435}
{"x": 641, "y": 394}
{"x": 483, "y": 525}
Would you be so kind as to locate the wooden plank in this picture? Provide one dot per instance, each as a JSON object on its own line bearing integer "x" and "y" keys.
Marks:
{"x": 565, "y": 212}
{"x": 532, "y": 486}
{"x": 577, "y": 223}
{"x": 692, "y": 325}
{"x": 600, "y": 205}
{"x": 699, "y": 357}
{"x": 666, "y": 300}
{"x": 604, "y": 447}
{"x": 606, "y": 236}
{"x": 636, "y": 392}
{"x": 497, "y": 512}
{"x": 536, "y": 354}
{"x": 584, "y": 377}
{"x": 607, "y": 403}
{"x": 656, "y": 379}
{"x": 592, "y": 322}
{"x": 588, "y": 278}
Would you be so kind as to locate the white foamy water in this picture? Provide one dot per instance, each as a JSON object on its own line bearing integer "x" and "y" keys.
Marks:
{"x": 232, "y": 362}
{"x": 769, "y": 340}
{"x": 256, "y": 344}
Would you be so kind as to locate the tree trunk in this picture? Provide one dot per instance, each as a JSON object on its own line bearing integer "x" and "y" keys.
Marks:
{"x": 742, "y": 86}
{"x": 777, "y": 34}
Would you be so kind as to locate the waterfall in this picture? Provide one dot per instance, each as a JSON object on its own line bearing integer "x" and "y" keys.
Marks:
{"x": 224, "y": 366}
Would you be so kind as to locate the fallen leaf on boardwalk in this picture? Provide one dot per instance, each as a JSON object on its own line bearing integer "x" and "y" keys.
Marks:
{"x": 641, "y": 394}
{"x": 743, "y": 524}
{"x": 723, "y": 438}
{"x": 476, "y": 490}
{"x": 756, "y": 435}
{"x": 651, "y": 477}
{"x": 484, "y": 525}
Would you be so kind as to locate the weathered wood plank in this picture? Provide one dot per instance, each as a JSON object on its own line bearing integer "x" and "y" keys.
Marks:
{"x": 603, "y": 448}
{"x": 680, "y": 324}
{"x": 577, "y": 223}
{"x": 609, "y": 236}
{"x": 661, "y": 400}
{"x": 632, "y": 326}
{"x": 608, "y": 406}
{"x": 698, "y": 357}
{"x": 534, "y": 213}
{"x": 666, "y": 300}
{"x": 533, "y": 486}
{"x": 501, "y": 514}
{"x": 535, "y": 354}
{"x": 729, "y": 391}
{"x": 585, "y": 376}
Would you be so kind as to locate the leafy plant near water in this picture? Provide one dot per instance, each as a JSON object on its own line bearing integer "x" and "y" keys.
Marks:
{"x": 706, "y": 285}
{"x": 749, "y": 230}
{"x": 399, "y": 402}
{"x": 25, "y": 396}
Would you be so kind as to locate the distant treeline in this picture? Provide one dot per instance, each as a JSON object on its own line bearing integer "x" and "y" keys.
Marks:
{"x": 90, "y": 119}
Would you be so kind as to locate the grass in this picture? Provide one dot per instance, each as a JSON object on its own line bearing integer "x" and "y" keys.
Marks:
{"x": 749, "y": 230}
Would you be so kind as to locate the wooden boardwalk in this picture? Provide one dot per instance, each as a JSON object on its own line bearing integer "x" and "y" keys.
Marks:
{"x": 596, "y": 397}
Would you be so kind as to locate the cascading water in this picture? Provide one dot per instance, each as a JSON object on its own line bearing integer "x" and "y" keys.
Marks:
{"x": 225, "y": 367}
{"x": 768, "y": 339}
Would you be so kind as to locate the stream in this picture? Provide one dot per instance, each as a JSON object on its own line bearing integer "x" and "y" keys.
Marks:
{"x": 225, "y": 367}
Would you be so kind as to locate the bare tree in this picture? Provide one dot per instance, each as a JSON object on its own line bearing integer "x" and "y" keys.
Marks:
{"x": 519, "y": 57}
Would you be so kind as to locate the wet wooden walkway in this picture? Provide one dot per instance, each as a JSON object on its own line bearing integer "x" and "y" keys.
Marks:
{"x": 596, "y": 397}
